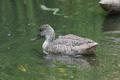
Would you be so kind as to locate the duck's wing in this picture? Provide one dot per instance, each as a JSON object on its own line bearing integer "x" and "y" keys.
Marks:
{"x": 73, "y": 39}
{"x": 67, "y": 42}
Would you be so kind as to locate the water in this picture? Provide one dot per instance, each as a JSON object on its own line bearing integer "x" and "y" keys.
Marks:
{"x": 21, "y": 58}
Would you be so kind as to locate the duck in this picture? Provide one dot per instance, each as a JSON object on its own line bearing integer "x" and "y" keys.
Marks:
{"x": 69, "y": 44}
{"x": 111, "y": 6}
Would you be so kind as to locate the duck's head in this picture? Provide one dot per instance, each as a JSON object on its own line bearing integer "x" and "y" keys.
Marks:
{"x": 46, "y": 31}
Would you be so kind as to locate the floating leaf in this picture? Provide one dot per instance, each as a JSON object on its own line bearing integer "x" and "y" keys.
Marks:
{"x": 22, "y": 68}
{"x": 62, "y": 70}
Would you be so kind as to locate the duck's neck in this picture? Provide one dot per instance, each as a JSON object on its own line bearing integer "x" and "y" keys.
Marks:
{"x": 49, "y": 39}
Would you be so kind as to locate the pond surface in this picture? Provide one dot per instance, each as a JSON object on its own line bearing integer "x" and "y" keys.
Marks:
{"x": 23, "y": 59}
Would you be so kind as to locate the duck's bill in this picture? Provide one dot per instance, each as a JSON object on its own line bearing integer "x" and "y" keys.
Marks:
{"x": 36, "y": 38}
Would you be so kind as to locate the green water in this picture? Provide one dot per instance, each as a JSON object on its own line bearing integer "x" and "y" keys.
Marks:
{"x": 22, "y": 59}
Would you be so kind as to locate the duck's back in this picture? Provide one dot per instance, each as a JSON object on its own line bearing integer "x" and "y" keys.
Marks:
{"x": 73, "y": 39}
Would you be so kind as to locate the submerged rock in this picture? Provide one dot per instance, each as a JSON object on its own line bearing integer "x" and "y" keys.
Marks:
{"x": 112, "y": 6}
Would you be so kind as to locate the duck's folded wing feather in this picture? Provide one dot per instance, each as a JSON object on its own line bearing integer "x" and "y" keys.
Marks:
{"x": 73, "y": 40}
{"x": 67, "y": 42}
{"x": 74, "y": 37}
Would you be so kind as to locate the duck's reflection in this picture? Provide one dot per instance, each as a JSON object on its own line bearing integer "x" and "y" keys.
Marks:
{"x": 82, "y": 61}
{"x": 111, "y": 22}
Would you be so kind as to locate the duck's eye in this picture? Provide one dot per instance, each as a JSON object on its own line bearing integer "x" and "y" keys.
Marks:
{"x": 40, "y": 29}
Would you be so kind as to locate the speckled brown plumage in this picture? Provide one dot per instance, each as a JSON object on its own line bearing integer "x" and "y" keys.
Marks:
{"x": 65, "y": 45}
